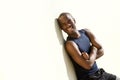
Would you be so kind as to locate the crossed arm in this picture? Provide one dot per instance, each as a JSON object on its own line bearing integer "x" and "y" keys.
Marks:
{"x": 94, "y": 41}
{"x": 79, "y": 57}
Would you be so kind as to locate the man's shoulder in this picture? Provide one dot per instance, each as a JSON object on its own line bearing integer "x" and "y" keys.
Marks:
{"x": 70, "y": 42}
{"x": 84, "y": 29}
{"x": 87, "y": 30}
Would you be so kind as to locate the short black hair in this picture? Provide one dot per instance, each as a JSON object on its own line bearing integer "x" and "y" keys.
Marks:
{"x": 64, "y": 13}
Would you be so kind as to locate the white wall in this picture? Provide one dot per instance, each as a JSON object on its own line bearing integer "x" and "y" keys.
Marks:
{"x": 31, "y": 45}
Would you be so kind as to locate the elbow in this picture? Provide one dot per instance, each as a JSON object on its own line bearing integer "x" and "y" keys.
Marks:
{"x": 102, "y": 51}
{"x": 89, "y": 65}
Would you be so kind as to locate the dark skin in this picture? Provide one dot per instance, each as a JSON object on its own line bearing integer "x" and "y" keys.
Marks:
{"x": 67, "y": 24}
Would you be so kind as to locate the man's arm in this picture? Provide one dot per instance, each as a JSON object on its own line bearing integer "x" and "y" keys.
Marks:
{"x": 95, "y": 43}
{"x": 76, "y": 55}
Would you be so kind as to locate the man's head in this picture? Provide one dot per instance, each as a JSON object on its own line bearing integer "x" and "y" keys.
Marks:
{"x": 66, "y": 22}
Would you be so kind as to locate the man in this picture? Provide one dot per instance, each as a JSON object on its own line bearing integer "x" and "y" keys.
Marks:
{"x": 83, "y": 49}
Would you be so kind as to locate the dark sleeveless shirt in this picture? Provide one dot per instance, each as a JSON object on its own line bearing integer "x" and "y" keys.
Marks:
{"x": 83, "y": 44}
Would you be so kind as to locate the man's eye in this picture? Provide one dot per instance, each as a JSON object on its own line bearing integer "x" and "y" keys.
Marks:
{"x": 69, "y": 21}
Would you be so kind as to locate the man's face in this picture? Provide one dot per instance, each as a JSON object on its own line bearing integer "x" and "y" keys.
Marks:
{"x": 66, "y": 23}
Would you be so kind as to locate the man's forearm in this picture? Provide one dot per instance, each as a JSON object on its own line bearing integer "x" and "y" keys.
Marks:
{"x": 93, "y": 55}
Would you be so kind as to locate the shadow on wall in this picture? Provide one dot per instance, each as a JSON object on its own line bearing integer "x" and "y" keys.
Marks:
{"x": 69, "y": 66}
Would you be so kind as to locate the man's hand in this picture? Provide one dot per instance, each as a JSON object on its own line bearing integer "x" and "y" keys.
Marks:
{"x": 85, "y": 55}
